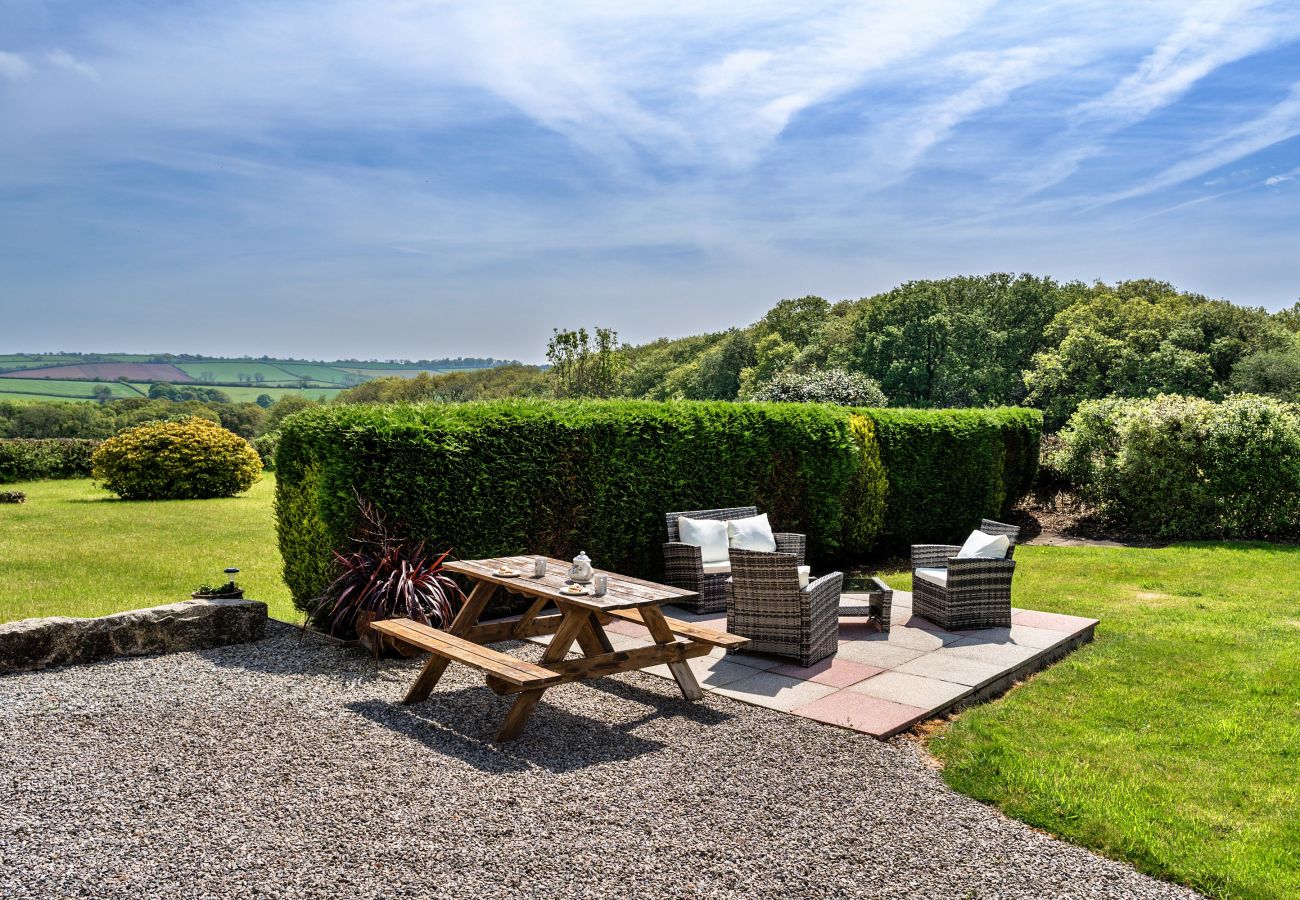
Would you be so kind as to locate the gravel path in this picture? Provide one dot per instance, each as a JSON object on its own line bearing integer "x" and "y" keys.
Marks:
{"x": 289, "y": 769}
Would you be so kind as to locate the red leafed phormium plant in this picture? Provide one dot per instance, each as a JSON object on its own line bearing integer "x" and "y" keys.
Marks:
{"x": 385, "y": 577}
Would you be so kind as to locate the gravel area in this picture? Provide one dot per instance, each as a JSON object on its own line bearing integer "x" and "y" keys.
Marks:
{"x": 288, "y": 768}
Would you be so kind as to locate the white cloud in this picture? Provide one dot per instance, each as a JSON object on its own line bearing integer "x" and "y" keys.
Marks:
{"x": 13, "y": 66}
{"x": 64, "y": 60}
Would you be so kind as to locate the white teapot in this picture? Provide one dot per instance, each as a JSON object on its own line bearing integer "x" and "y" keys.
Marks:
{"x": 581, "y": 570}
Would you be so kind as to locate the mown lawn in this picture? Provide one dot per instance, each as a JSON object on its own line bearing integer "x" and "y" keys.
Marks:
{"x": 75, "y": 550}
{"x": 1173, "y": 741}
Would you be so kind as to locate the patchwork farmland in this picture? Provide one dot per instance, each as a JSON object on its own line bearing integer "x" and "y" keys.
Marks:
{"x": 91, "y": 377}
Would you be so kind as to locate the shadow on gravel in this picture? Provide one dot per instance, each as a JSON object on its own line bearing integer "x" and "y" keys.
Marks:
{"x": 462, "y": 723}
{"x": 453, "y": 723}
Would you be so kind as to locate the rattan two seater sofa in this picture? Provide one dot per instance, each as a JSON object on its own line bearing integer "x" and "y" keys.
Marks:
{"x": 684, "y": 565}
{"x": 964, "y": 593}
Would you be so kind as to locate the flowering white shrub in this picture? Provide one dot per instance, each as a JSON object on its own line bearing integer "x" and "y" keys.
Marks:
{"x": 823, "y": 386}
{"x": 1179, "y": 466}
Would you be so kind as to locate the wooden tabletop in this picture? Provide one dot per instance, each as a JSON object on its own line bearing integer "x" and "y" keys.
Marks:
{"x": 624, "y": 591}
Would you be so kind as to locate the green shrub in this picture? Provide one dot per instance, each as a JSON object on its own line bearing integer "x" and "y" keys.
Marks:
{"x": 947, "y": 468}
{"x": 1182, "y": 467}
{"x": 265, "y": 447}
{"x": 31, "y": 459}
{"x": 176, "y": 460}
{"x": 558, "y": 477}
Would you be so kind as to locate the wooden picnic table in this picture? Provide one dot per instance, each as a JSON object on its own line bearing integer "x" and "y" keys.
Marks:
{"x": 577, "y": 619}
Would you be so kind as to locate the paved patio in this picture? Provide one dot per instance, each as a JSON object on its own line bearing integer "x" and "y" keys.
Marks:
{"x": 883, "y": 683}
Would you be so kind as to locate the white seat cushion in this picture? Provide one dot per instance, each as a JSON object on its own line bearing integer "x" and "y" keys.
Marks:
{"x": 707, "y": 534}
{"x": 805, "y": 572}
{"x": 985, "y": 546}
{"x": 717, "y": 568}
{"x": 753, "y": 533}
{"x": 934, "y": 576}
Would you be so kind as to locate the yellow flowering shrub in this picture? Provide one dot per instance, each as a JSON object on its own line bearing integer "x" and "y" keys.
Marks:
{"x": 178, "y": 459}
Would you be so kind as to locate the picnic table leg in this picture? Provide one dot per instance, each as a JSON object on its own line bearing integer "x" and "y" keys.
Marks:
{"x": 575, "y": 620}
{"x": 593, "y": 639}
{"x": 662, "y": 634}
{"x": 466, "y": 619}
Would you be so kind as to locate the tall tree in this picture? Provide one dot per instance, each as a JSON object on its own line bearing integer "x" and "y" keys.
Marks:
{"x": 582, "y": 364}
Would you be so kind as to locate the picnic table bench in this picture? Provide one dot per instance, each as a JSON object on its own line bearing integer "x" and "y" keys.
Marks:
{"x": 578, "y": 619}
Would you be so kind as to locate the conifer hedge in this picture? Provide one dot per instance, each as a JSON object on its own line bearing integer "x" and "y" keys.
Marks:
{"x": 557, "y": 477}
{"x": 947, "y": 468}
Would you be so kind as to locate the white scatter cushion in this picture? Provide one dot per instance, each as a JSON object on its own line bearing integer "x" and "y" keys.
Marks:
{"x": 717, "y": 568}
{"x": 984, "y": 546}
{"x": 934, "y": 576}
{"x": 707, "y": 534}
{"x": 753, "y": 533}
{"x": 805, "y": 573}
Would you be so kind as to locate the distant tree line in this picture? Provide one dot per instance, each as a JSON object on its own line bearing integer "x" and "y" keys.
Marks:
{"x": 61, "y": 419}
{"x": 986, "y": 341}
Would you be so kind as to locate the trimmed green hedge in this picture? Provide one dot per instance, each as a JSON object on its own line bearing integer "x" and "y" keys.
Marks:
{"x": 947, "y": 468}
{"x": 555, "y": 478}
{"x": 33, "y": 459}
{"x": 546, "y": 477}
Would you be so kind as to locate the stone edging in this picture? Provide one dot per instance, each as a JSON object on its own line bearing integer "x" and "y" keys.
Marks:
{"x": 189, "y": 625}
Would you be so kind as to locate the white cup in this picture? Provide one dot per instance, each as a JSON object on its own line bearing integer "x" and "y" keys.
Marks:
{"x": 599, "y": 585}
{"x": 539, "y": 566}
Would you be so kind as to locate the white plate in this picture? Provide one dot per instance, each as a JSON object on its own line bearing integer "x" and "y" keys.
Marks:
{"x": 507, "y": 573}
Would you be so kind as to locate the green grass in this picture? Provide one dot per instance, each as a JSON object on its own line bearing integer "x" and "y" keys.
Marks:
{"x": 316, "y": 372}
{"x": 74, "y": 550}
{"x": 1173, "y": 741}
{"x": 49, "y": 388}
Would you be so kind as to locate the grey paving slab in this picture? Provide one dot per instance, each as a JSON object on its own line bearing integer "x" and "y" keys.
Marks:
{"x": 775, "y": 691}
{"x": 949, "y": 666}
{"x": 710, "y": 671}
{"x": 917, "y": 638}
{"x": 1006, "y": 655}
{"x": 911, "y": 690}
{"x": 1024, "y": 635}
{"x": 878, "y": 653}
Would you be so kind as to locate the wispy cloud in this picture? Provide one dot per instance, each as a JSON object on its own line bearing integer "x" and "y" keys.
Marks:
{"x": 62, "y": 59}
{"x": 1208, "y": 36}
{"x": 717, "y": 153}
{"x": 1280, "y": 123}
{"x": 13, "y": 66}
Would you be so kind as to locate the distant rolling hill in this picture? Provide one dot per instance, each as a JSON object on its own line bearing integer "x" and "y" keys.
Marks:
{"x": 84, "y": 376}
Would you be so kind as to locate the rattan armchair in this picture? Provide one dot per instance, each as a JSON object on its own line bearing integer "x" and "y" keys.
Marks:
{"x": 684, "y": 566}
{"x": 976, "y": 592}
{"x": 766, "y": 605}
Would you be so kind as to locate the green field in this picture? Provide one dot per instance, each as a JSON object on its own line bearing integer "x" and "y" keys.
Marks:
{"x": 37, "y": 389}
{"x": 320, "y": 373}
{"x": 237, "y": 377}
{"x": 249, "y": 394}
{"x": 50, "y": 389}
{"x": 237, "y": 371}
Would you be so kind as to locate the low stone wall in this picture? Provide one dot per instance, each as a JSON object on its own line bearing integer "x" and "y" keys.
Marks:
{"x": 191, "y": 625}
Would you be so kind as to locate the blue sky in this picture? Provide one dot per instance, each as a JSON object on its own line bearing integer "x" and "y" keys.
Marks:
{"x": 418, "y": 179}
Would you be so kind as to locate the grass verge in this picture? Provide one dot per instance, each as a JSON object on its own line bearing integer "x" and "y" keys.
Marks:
{"x": 1173, "y": 741}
